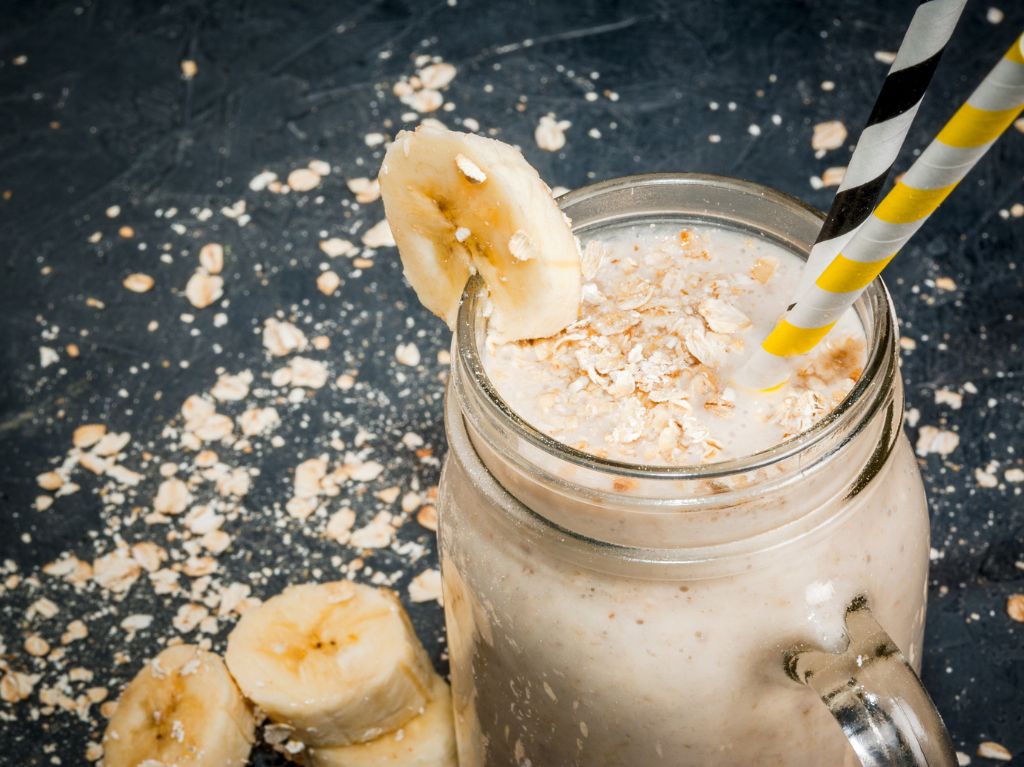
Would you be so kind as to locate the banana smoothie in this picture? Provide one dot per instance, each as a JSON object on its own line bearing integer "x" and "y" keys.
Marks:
{"x": 633, "y": 548}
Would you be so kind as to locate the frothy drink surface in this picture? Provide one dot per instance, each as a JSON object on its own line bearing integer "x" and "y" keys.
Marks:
{"x": 668, "y": 313}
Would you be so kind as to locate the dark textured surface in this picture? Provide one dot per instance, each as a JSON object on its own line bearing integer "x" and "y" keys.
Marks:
{"x": 99, "y": 115}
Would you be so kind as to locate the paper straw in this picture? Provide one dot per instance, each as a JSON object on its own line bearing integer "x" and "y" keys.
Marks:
{"x": 885, "y": 131}
{"x": 971, "y": 132}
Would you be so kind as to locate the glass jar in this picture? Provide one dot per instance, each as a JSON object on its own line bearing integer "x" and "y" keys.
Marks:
{"x": 602, "y": 614}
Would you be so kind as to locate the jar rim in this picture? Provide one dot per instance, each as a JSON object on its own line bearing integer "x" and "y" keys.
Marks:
{"x": 874, "y": 304}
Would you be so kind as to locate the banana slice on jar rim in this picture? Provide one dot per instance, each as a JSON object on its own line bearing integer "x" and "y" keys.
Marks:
{"x": 460, "y": 204}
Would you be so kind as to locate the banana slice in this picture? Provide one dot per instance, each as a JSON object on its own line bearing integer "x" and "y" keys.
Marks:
{"x": 183, "y": 709}
{"x": 426, "y": 741}
{"x": 339, "y": 662}
{"x": 459, "y": 203}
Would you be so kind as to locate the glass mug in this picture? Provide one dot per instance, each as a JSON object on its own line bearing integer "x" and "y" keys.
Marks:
{"x": 609, "y": 615}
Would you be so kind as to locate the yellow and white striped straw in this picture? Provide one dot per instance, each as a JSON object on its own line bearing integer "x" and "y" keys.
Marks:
{"x": 971, "y": 132}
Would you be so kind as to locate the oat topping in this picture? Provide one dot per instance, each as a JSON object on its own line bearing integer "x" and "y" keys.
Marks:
{"x": 643, "y": 375}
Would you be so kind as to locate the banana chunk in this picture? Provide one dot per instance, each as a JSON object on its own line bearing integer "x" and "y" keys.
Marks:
{"x": 426, "y": 741}
{"x": 184, "y": 709}
{"x": 458, "y": 204}
{"x": 339, "y": 662}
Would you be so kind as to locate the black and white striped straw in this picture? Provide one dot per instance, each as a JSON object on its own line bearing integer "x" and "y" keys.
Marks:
{"x": 885, "y": 131}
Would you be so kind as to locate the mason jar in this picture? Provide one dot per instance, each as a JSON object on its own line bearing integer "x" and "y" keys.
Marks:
{"x": 766, "y": 610}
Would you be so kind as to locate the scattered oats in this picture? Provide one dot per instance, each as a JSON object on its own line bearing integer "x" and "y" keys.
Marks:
{"x": 216, "y": 541}
{"x": 149, "y": 555}
{"x": 232, "y": 388}
{"x": 303, "y": 180}
{"x": 388, "y": 494}
{"x": 754, "y": 130}
{"x": 469, "y": 169}
{"x": 339, "y": 526}
{"x": 379, "y": 236}
{"x": 828, "y": 135}
{"x": 366, "y": 190}
{"x": 885, "y": 57}
{"x": 138, "y": 282}
{"x": 204, "y": 289}
{"x": 962, "y": 759}
{"x": 436, "y": 76}
{"x": 116, "y": 571}
{"x": 424, "y": 101}
{"x": 945, "y": 283}
{"x": 202, "y": 520}
{"x": 88, "y": 434}
{"x": 1017, "y": 210}
{"x": 816, "y": 183}
{"x": 36, "y": 646}
{"x": 172, "y": 497}
{"x": 336, "y": 246}
{"x": 427, "y": 517}
{"x": 328, "y": 282}
{"x": 1014, "y": 475}
{"x": 74, "y": 631}
{"x": 137, "y": 622}
{"x": 521, "y": 246}
{"x": 947, "y": 397}
{"x": 1015, "y": 607}
{"x": 550, "y": 133}
{"x": 47, "y": 357}
{"x": 985, "y": 478}
{"x": 362, "y": 263}
{"x": 364, "y": 472}
{"x": 907, "y": 343}
{"x": 311, "y": 374}
{"x": 375, "y": 535}
{"x": 49, "y": 480}
{"x": 258, "y": 420}
{"x": 282, "y": 338}
{"x": 828, "y": 85}
{"x": 833, "y": 176}
{"x": 319, "y": 167}
{"x": 261, "y": 180}
{"x": 933, "y": 440}
{"x": 126, "y": 232}
{"x": 991, "y": 750}
{"x": 994, "y": 15}
{"x": 43, "y": 502}
{"x": 308, "y": 475}
{"x": 93, "y": 463}
{"x": 345, "y": 382}
{"x": 17, "y": 686}
{"x": 72, "y": 350}
{"x": 426, "y": 587}
{"x": 188, "y": 617}
{"x": 211, "y": 257}
{"x": 407, "y": 354}
{"x": 374, "y": 139}
{"x": 300, "y": 508}
{"x": 43, "y": 607}
{"x": 93, "y": 752}
{"x": 189, "y": 68}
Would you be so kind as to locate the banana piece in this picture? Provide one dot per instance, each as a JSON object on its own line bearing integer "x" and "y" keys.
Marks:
{"x": 181, "y": 709}
{"x": 425, "y": 741}
{"x": 339, "y": 662}
{"x": 458, "y": 203}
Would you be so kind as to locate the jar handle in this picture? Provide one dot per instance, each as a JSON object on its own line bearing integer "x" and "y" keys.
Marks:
{"x": 875, "y": 696}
